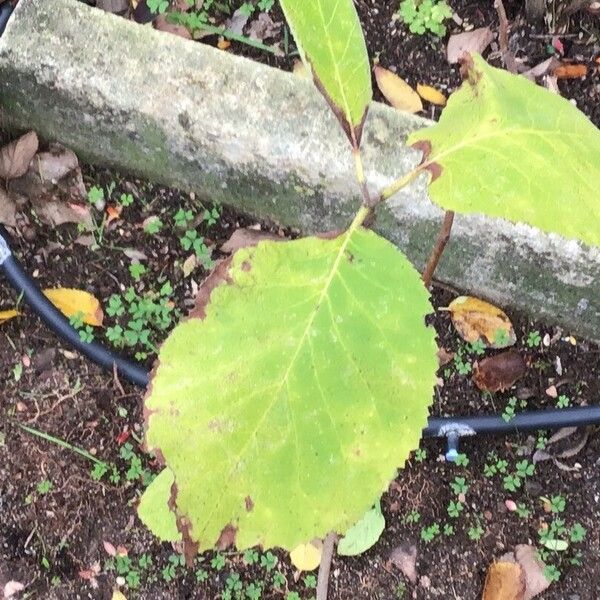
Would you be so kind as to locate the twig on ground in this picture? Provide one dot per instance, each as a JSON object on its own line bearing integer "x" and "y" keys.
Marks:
{"x": 440, "y": 243}
{"x": 507, "y": 56}
{"x": 325, "y": 566}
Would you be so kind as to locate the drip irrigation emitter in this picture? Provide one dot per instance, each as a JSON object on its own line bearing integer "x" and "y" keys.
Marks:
{"x": 451, "y": 428}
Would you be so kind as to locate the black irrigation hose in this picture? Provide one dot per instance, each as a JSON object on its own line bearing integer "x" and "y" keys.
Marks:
{"x": 5, "y": 12}
{"x": 451, "y": 428}
{"x": 56, "y": 321}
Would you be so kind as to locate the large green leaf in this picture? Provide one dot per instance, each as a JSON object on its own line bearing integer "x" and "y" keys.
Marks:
{"x": 290, "y": 404}
{"x": 330, "y": 40}
{"x": 508, "y": 148}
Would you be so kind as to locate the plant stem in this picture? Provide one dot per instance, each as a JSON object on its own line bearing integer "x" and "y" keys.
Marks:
{"x": 440, "y": 243}
{"x": 397, "y": 185}
{"x": 325, "y": 566}
{"x": 59, "y": 442}
{"x": 360, "y": 177}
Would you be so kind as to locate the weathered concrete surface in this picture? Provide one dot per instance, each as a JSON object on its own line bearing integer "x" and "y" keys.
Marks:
{"x": 264, "y": 141}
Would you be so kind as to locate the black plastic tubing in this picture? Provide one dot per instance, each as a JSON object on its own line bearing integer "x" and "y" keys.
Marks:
{"x": 56, "y": 321}
{"x": 449, "y": 427}
{"x": 5, "y": 12}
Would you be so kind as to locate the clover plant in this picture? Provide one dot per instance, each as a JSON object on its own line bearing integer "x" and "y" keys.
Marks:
{"x": 286, "y": 403}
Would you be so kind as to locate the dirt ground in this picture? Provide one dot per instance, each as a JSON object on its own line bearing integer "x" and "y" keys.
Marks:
{"x": 60, "y": 527}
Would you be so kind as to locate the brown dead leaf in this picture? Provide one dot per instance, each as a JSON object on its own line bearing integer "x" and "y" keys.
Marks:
{"x": 237, "y": 22}
{"x": 570, "y": 71}
{"x": 263, "y": 28}
{"x": 16, "y": 156}
{"x": 246, "y": 238}
{"x": 542, "y": 68}
{"x": 113, "y": 6}
{"x": 396, "y": 91}
{"x": 504, "y": 581}
{"x": 476, "y": 319}
{"x": 533, "y": 569}
{"x": 56, "y": 163}
{"x": 476, "y": 40}
{"x": 161, "y": 23}
{"x": 499, "y": 373}
{"x": 444, "y": 357}
{"x": 404, "y": 557}
{"x": 8, "y": 209}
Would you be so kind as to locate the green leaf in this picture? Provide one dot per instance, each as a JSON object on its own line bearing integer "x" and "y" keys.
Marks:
{"x": 292, "y": 398}
{"x": 556, "y": 545}
{"x": 153, "y": 509}
{"x": 360, "y": 537}
{"x": 331, "y": 43}
{"x": 508, "y": 148}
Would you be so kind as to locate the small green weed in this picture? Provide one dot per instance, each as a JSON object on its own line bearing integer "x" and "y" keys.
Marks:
{"x": 425, "y": 15}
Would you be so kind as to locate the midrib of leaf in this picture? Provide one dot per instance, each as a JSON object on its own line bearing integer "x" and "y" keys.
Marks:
{"x": 356, "y": 223}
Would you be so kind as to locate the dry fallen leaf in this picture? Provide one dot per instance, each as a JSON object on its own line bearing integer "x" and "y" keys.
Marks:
{"x": 444, "y": 357}
{"x": 533, "y": 568}
{"x": 499, "y": 373}
{"x": 189, "y": 264}
{"x": 476, "y": 319}
{"x": 541, "y": 69}
{"x": 71, "y": 302}
{"x": 161, "y": 23}
{"x": 222, "y": 43}
{"x": 431, "y": 94}
{"x": 16, "y": 156}
{"x": 404, "y": 557}
{"x": 117, "y": 595}
{"x": 306, "y": 557}
{"x": 7, "y": 315}
{"x": 8, "y": 209}
{"x": 476, "y": 40}
{"x": 396, "y": 91}
{"x": 263, "y": 28}
{"x": 570, "y": 71}
{"x": 245, "y": 238}
{"x": 504, "y": 581}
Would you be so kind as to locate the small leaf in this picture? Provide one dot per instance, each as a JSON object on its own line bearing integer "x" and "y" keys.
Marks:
{"x": 16, "y": 156}
{"x": 489, "y": 153}
{"x": 306, "y": 557}
{"x": 117, "y": 595}
{"x": 477, "y": 320}
{"x": 499, "y": 373}
{"x": 72, "y": 302}
{"x": 396, "y": 91}
{"x": 431, "y": 94}
{"x": 7, "y": 315}
{"x": 360, "y": 537}
{"x": 556, "y": 545}
{"x": 153, "y": 509}
{"x": 330, "y": 41}
{"x": 504, "y": 581}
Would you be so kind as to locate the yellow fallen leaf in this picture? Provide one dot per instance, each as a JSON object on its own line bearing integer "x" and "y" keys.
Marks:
{"x": 71, "y": 302}
{"x": 117, "y": 595}
{"x": 396, "y": 91}
{"x": 431, "y": 94}
{"x": 504, "y": 581}
{"x": 7, "y": 315}
{"x": 223, "y": 44}
{"x": 476, "y": 319}
{"x": 306, "y": 557}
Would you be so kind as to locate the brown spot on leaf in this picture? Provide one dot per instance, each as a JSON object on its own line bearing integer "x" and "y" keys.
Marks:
{"x": 219, "y": 275}
{"x": 468, "y": 71}
{"x": 227, "y": 537}
{"x": 246, "y": 266}
{"x": 249, "y": 503}
{"x": 435, "y": 169}
{"x": 190, "y": 547}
